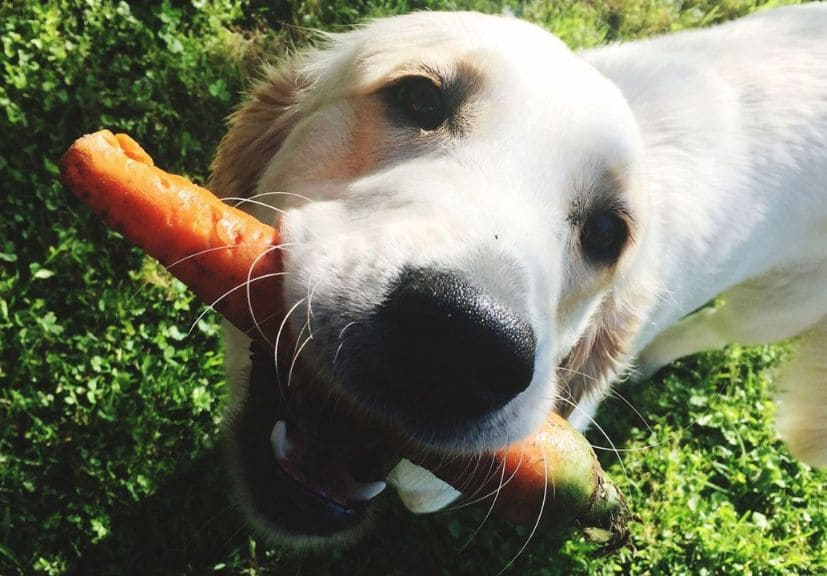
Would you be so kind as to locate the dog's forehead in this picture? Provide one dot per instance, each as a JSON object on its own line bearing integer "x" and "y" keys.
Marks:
{"x": 522, "y": 66}
{"x": 442, "y": 40}
{"x": 529, "y": 92}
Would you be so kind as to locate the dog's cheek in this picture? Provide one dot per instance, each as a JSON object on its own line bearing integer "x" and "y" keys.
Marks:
{"x": 334, "y": 146}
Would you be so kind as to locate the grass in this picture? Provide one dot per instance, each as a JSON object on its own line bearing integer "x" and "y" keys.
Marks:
{"x": 110, "y": 400}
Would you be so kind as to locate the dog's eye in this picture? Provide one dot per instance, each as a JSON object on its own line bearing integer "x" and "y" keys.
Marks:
{"x": 603, "y": 235}
{"x": 421, "y": 101}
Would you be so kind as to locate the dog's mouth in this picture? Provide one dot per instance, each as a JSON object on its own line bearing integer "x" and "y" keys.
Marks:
{"x": 307, "y": 467}
{"x": 437, "y": 361}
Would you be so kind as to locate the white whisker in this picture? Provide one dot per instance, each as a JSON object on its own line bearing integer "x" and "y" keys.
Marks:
{"x": 496, "y": 494}
{"x": 268, "y": 248}
{"x": 279, "y": 333}
{"x": 348, "y": 325}
{"x": 294, "y": 194}
{"x": 340, "y": 339}
{"x": 338, "y": 349}
{"x": 211, "y": 306}
{"x": 594, "y": 423}
{"x": 249, "y": 296}
{"x": 539, "y": 514}
{"x": 295, "y": 359}
{"x": 310, "y": 293}
{"x": 615, "y": 394}
{"x": 239, "y": 201}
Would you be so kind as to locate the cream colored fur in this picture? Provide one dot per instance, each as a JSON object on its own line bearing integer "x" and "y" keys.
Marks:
{"x": 717, "y": 140}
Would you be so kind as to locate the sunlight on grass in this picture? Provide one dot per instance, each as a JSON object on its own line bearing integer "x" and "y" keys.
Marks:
{"x": 110, "y": 458}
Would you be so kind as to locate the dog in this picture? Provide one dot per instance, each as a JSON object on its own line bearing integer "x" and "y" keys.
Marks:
{"x": 481, "y": 226}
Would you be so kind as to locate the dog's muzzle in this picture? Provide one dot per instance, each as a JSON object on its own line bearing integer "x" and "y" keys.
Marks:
{"x": 434, "y": 359}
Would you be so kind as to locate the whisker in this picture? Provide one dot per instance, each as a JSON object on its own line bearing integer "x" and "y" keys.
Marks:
{"x": 468, "y": 472}
{"x": 279, "y": 333}
{"x": 230, "y": 247}
{"x": 310, "y": 293}
{"x": 481, "y": 484}
{"x": 341, "y": 340}
{"x": 169, "y": 267}
{"x": 495, "y": 492}
{"x": 294, "y": 194}
{"x": 539, "y": 515}
{"x": 473, "y": 498}
{"x": 300, "y": 335}
{"x": 249, "y": 295}
{"x": 211, "y": 306}
{"x": 579, "y": 373}
{"x": 239, "y": 201}
{"x": 338, "y": 349}
{"x": 295, "y": 359}
{"x": 612, "y": 392}
{"x": 594, "y": 423}
{"x": 615, "y": 394}
{"x": 485, "y": 518}
{"x": 348, "y": 325}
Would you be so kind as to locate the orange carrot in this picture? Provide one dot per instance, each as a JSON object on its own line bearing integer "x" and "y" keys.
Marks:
{"x": 556, "y": 472}
{"x": 227, "y": 257}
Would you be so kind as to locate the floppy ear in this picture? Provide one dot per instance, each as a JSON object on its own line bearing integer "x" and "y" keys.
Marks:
{"x": 257, "y": 129}
{"x": 601, "y": 355}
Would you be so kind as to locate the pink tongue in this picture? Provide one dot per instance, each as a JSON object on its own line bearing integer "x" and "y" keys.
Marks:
{"x": 319, "y": 468}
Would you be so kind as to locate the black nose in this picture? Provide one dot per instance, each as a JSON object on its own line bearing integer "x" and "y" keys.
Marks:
{"x": 442, "y": 347}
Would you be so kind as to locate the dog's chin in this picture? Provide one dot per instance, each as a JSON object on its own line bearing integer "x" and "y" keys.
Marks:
{"x": 309, "y": 468}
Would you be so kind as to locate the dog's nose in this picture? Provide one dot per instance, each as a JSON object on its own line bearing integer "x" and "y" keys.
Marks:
{"x": 448, "y": 345}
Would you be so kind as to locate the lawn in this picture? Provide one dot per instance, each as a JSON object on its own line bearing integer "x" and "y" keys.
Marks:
{"x": 111, "y": 387}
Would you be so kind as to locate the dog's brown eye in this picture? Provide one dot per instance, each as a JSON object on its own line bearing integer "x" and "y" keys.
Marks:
{"x": 421, "y": 101}
{"x": 603, "y": 235}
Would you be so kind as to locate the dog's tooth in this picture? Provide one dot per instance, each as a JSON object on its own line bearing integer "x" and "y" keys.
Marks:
{"x": 278, "y": 440}
{"x": 369, "y": 490}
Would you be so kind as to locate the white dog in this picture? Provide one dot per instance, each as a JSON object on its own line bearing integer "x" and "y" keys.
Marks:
{"x": 481, "y": 226}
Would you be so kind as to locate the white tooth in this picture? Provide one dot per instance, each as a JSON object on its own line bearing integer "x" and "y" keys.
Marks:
{"x": 278, "y": 440}
{"x": 420, "y": 491}
{"x": 368, "y": 491}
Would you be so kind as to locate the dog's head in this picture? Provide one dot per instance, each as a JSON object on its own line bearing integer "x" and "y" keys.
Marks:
{"x": 460, "y": 201}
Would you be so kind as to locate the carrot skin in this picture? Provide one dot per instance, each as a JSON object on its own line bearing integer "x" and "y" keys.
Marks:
{"x": 215, "y": 249}
{"x": 554, "y": 472}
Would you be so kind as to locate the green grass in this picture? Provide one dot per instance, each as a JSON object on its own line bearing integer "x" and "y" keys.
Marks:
{"x": 110, "y": 406}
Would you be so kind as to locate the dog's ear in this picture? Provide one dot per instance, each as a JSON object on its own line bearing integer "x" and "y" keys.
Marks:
{"x": 602, "y": 354}
{"x": 258, "y": 128}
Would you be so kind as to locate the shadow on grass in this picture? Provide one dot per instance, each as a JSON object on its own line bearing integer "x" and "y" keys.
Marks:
{"x": 187, "y": 526}
{"x": 192, "y": 526}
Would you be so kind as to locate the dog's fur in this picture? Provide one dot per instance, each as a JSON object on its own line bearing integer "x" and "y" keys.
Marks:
{"x": 714, "y": 142}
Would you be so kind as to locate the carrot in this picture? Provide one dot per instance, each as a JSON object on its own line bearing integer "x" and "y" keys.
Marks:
{"x": 215, "y": 249}
{"x": 554, "y": 472}
{"x": 227, "y": 257}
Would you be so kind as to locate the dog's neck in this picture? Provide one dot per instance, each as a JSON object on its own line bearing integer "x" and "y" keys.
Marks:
{"x": 707, "y": 224}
